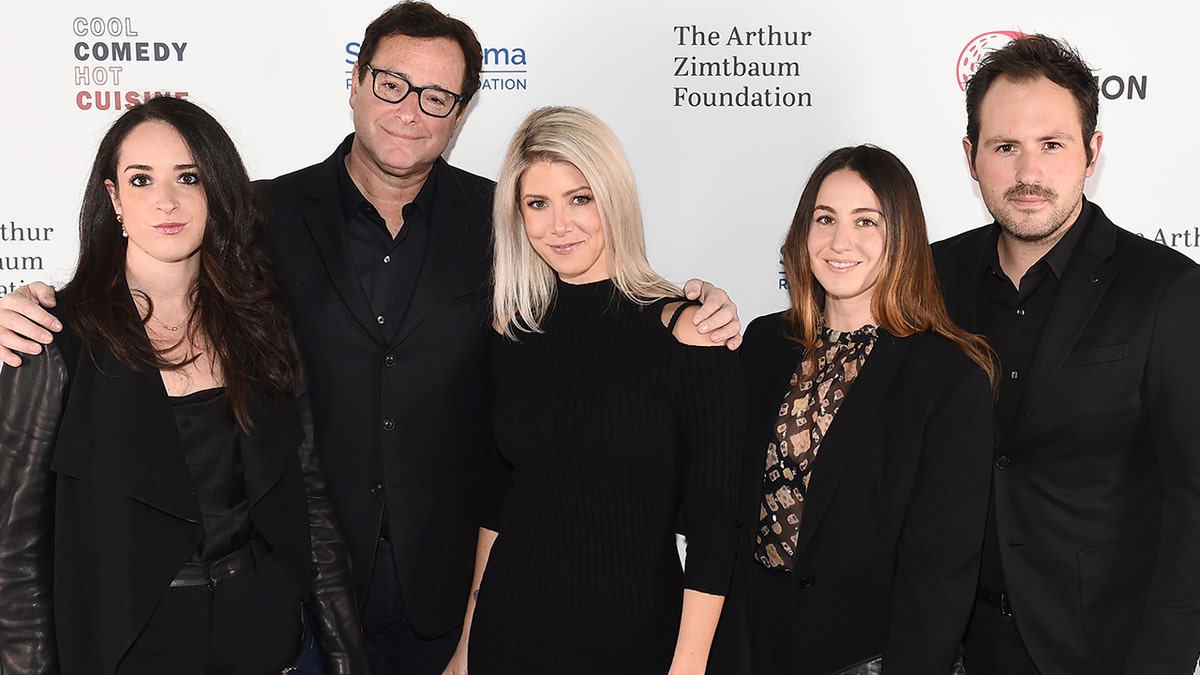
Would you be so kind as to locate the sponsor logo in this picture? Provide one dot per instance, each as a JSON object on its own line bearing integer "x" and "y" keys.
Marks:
{"x": 977, "y": 48}
{"x": 15, "y": 253}
{"x": 725, "y": 67}
{"x": 504, "y": 68}
{"x": 110, "y": 52}
{"x": 1112, "y": 86}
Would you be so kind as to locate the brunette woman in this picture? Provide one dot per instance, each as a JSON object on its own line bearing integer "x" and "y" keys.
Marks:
{"x": 161, "y": 508}
{"x": 869, "y": 446}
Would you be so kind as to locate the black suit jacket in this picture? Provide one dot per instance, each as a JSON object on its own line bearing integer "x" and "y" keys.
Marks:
{"x": 888, "y": 551}
{"x": 403, "y": 422}
{"x": 98, "y": 512}
{"x": 1097, "y": 483}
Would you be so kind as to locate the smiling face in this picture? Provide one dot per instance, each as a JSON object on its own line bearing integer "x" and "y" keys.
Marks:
{"x": 159, "y": 194}
{"x": 399, "y": 139}
{"x": 562, "y": 221}
{"x": 846, "y": 247}
{"x": 1032, "y": 160}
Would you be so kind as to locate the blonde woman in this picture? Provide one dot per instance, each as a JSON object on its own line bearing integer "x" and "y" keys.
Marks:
{"x": 620, "y": 423}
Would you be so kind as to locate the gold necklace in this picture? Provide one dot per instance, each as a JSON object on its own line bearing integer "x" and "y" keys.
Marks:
{"x": 173, "y": 329}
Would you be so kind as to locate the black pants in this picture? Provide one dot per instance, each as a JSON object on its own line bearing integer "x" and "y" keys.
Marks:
{"x": 994, "y": 646}
{"x": 392, "y": 646}
{"x": 249, "y": 625}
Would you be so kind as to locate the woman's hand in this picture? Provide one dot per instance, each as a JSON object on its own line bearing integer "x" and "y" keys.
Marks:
{"x": 458, "y": 662}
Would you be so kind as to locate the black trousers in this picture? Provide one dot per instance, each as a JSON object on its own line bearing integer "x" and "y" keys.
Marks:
{"x": 249, "y": 625}
{"x": 993, "y": 645}
{"x": 392, "y": 646}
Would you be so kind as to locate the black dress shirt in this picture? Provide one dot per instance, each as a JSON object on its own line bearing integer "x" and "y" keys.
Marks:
{"x": 387, "y": 266}
{"x": 1012, "y": 318}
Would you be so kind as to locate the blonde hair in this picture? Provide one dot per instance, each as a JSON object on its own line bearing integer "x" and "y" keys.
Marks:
{"x": 525, "y": 284}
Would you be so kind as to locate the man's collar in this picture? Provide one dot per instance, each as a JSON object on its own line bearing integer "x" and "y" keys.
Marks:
{"x": 1060, "y": 254}
{"x": 351, "y": 198}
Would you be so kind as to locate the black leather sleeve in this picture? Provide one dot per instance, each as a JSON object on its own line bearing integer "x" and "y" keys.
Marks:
{"x": 31, "y": 405}
{"x": 332, "y": 594}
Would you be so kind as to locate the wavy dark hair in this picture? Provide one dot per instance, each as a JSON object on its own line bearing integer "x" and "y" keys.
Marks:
{"x": 423, "y": 20}
{"x": 237, "y": 305}
{"x": 908, "y": 297}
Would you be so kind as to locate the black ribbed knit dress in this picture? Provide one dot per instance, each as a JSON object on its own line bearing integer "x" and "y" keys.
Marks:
{"x": 618, "y": 437}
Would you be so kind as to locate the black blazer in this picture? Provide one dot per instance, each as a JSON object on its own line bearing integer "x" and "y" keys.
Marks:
{"x": 98, "y": 513}
{"x": 403, "y": 423}
{"x": 1097, "y": 484}
{"x": 888, "y": 551}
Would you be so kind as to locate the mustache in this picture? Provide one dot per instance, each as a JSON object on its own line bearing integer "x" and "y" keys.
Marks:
{"x": 1031, "y": 191}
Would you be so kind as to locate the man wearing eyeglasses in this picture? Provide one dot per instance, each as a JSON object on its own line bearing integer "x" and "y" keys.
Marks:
{"x": 385, "y": 249}
{"x": 383, "y": 252}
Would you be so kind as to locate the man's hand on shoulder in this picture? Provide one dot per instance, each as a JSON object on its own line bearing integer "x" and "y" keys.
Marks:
{"x": 24, "y": 325}
{"x": 717, "y": 316}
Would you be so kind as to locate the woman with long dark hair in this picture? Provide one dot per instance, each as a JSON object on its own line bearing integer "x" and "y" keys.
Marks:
{"x": 868, "y": 456}
{"x": 161, "y": 507}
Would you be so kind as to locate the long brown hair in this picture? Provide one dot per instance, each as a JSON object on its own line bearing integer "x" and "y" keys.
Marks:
{"x": 237, "y": 306}
{"x": 907, "y": 298}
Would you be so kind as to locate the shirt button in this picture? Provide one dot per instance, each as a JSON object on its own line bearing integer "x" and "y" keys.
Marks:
{"x": 1002, "y": 462}
{"x": 377, "y": 488}
{"x": 806, "y": 582}
{"x": 1020, "y": 312}
{"x": 387, "y": 259}
{"x": 389, "y": 360}
{"x": 379, "y": 319}
{"x": 1013, "y": 375}
{"x": 388, "y": 425}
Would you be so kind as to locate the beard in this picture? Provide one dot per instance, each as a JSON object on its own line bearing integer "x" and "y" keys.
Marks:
{"x": 1030, "y": 227}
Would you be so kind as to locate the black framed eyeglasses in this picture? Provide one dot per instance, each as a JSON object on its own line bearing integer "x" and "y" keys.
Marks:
{"x": 394, "y": 88}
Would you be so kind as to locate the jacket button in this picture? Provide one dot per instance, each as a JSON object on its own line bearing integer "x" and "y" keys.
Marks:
{"x": 389, "y": 360}
{"x": 388, "y": 425}
{"x": 806, "y": 582}
{"x": 1002, "y": 462}
{"x": 377, "y": 488}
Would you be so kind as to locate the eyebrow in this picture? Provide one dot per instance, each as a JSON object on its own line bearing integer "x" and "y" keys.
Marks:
{"x": 572, "y": 191}
{"x": 147, "y": 167}
{"x": 436, "y": 85}
{"x": 1005, "y": 140}
{"x": 861, "y": 209}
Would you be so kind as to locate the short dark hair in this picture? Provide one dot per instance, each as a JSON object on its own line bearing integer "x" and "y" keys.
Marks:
{"x": 1028, "y": 58}
{"x": 423, "y": 20}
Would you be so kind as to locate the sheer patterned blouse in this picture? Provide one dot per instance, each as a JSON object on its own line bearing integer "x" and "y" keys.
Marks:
{"x": 812, "y": 400}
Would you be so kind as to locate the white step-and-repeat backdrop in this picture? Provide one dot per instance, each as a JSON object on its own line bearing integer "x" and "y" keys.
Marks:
{"x": 723, "y": 107}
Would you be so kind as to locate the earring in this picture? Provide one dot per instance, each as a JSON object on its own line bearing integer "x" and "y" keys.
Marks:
{"x": 122, "y": 222}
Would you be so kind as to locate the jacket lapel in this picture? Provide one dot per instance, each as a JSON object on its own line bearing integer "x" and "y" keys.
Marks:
{"x": 1084, "y": 284}
{"x": 276, "y": 439}
{"x": 326, "y": 226}
{"x": 121, "y": 435}
{"x": 841, "y": 441}
{"x": 447, "y": 228}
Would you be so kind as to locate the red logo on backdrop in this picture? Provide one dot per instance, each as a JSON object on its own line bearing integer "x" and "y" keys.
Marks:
{"x": 977, "y": 48}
